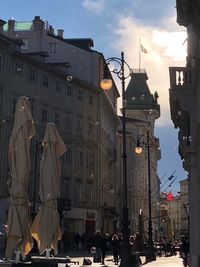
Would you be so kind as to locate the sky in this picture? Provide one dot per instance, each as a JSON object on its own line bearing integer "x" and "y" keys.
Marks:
{"x": 115, "y": 26}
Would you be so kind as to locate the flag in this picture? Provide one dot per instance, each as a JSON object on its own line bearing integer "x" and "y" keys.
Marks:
{"x": 171, "y": 176}
{"x": 169, "y": 196}
{"x": 143, "y": 49}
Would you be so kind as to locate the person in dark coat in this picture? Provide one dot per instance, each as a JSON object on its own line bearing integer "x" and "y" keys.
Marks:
{"x": 77, "y": 239}
{"x": 115, "y": 248}
{"x": 104, "y": 247}
{"x": 185, "y": 247}
{"x": 96, "y": 243}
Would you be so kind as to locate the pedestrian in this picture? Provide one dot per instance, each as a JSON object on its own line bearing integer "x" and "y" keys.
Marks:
{"x": 115, "y": 248}
{"x": 135, "y": 257}
{"x": 77, "y": 239}
{"x": 104, "y": 247}
{"x": 138, "y": 242}
{"x": 96, "y": 246}
{"x": 65, "y": 240}
{"x": 184, "y": 249}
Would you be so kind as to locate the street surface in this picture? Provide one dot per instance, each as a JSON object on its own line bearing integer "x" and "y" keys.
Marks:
{"x": 172, "y": 261}
{"x": 78, "y": 256}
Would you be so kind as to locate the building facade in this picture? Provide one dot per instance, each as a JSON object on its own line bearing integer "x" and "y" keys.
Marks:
{"x": 61, "y": 79}
{"x": 184, "y": 104}
{"x": 142, "y": 109}
{"x": 184, "y": 207}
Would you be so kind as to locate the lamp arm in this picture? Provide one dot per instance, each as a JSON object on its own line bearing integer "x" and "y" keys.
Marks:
{"x": 121, "y": 63}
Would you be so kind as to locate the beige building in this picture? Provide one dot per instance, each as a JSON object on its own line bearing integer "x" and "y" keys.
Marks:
{"x": 184, "y": 207}
{"x": 185, "y": 110}
{"x": 142, "y": 109}
{"x": 170, "y": 217}
{"x": 61, "y": 78}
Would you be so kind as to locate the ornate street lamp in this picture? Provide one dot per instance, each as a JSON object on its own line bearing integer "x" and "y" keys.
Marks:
{"x": 150, "y": 256}
{"x": 106, "y": 84}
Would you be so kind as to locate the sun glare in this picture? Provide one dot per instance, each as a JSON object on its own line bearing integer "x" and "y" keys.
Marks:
{"x": 173, "y": 43}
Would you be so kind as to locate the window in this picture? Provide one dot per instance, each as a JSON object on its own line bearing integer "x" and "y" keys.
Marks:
{"x": 14, "y": 105}
{"x": 57, "y": 118}
{"x": 88, "y": 193}
{"x": 90, "y": 160}
{"x": 68, "y": 156}
{"x": 91, "y": 99}
{"x": 69, "y": 90}
{"x": 77, "y": 191}
{"x": 44, "y": 115}
{"x": 45, "y": 81}
{"x": 90, "y": 128}
{"x": 67, "y": 189}
{"x": 79, "y": 157}
{"x": 78, "y": 125}
{"x": 26, "y": 43}
{"x": 80, "y": 95}
{"x": 32, "y": 75}
{"x": 58, "y": 83}
{"x": 52, "y": 47}
{"x": 68, "y": 121}
{"x": 18, "y": 68}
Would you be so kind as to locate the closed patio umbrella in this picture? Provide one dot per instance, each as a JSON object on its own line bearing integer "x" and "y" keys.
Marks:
{"x": 45, "y": 228}
{"x": 18, "y": 233}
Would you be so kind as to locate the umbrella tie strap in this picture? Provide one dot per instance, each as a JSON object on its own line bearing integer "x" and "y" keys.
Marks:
{"x": 51, "y": 203}
{"x": 17, "y": 201}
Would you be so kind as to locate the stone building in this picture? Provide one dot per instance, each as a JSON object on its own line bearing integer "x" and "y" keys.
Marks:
{"x": 184, "y": 207}
{"x": 185, "y": 106}
{"x": 61, "y": 79}
{"x": 142, "y": 109}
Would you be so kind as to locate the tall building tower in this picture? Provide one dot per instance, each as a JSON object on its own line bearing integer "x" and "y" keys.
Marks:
{"x": 142, "y": 110}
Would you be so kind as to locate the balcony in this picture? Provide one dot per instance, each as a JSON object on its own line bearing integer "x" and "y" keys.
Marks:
{"x": 180, "y": 92}
{"x": 181, "y": 78}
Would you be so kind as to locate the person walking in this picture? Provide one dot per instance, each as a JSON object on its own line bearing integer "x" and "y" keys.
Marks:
{"x": 185, "y": 249}
{"x": 96, "y": 246}
{"x": 115, "y": 248}
{"x": 104, "y": 247}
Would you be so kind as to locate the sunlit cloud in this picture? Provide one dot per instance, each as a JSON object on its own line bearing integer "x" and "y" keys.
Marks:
{"x": 95, "y": 6}
{"x": 165, "y": 47}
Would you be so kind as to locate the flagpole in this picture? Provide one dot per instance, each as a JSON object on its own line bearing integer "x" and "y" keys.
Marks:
{"x": 139, "y": 54}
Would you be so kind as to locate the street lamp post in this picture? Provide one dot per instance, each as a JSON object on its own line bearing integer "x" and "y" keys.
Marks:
{"x": 106, "y": 84}
{"x": 150, "y": 256}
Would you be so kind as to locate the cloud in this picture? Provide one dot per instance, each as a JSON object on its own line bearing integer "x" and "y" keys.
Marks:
{"x": 95, "y": 6}
{"x": 165, "y": 48}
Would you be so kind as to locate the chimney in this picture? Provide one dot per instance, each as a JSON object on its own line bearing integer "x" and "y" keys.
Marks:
{"x": 11, "y": 26}
{"x": 60, "y": 33}
{"x": 2, "y": 22}
{"x": 51, "y": 30}
{"x": 38, "y": 24}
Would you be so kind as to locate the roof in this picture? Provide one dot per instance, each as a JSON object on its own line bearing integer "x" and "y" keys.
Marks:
{"x": 83, "y": 43}
{"x": 20, "y": 26}
{"x": 138, "y": 95}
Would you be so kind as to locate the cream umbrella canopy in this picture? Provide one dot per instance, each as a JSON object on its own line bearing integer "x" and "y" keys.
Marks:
{"x": 18, "y": 233}
{"x": 45, "y": 228}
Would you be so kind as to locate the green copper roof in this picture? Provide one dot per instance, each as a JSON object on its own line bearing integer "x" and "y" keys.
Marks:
{"x": 20, "y": 26}
{"x": 138, "y": 95}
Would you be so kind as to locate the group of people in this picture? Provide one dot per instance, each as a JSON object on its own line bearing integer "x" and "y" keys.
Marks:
{"x": 103, "y": 242}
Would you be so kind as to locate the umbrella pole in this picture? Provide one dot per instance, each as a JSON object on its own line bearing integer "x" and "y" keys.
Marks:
{"x": 17, "y": 256}
{"x": 47, "y": 250}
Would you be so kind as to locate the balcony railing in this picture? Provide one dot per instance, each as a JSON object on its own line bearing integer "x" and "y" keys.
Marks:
{"x": 181, "y": 77}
